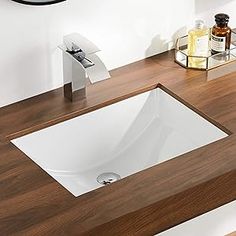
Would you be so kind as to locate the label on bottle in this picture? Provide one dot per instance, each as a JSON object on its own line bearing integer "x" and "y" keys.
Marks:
{"x": 201, "y": 46}
{"x": 218, "y": 44}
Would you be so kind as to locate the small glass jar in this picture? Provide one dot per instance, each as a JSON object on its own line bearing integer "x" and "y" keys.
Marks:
{"x": 221, "y": 34}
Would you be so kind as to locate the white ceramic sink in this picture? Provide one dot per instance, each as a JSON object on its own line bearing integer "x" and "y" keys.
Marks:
{"x": 123, "y": 138}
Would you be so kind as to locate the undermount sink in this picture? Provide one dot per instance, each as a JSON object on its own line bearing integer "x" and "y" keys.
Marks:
{"x": 102, "y": 146}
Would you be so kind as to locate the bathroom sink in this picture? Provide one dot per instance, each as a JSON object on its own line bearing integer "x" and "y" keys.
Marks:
{"x": 100, "y": 147}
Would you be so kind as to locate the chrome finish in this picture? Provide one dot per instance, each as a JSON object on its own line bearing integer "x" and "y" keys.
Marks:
{"x": 108, "y": 178}
{"x": 80, "y": 63}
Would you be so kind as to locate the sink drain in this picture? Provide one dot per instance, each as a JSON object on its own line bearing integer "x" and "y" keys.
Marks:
{"x": 108, "y": 178}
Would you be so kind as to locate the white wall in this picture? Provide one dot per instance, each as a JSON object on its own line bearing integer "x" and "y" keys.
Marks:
{"x": 125, "y": 30}
{"x": 206, "y": 9}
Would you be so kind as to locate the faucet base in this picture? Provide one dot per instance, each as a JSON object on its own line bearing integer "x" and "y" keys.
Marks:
{"x": 73, "y": 96}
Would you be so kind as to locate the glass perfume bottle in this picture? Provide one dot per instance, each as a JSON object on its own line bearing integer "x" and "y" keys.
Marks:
{"x": 221, "y": 34}
{"x": 198, "y": 45}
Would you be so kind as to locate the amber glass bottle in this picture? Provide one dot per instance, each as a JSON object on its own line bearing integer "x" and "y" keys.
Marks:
{"x": 221, "y": 34}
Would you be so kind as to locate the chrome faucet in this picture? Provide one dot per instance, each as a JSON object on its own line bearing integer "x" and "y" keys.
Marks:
{"x": 80, "y": 63}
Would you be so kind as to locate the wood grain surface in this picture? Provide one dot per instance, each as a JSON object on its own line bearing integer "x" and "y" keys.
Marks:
{"x": 32, "y": 203}
{"x": 232, "y": 234}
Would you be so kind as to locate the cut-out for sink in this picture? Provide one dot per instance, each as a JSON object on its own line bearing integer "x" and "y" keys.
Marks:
{"x": 123, "y": 138}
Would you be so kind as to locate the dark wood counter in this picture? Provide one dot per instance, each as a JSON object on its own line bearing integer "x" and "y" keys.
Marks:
{"x": 32, "y": 203}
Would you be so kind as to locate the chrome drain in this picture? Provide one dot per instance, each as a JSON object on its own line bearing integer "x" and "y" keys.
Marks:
{"x": 108, "y": 178}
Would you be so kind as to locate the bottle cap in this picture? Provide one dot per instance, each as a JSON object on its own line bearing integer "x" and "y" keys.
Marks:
{"x": 221, "y": 18}
{"x": 199, "y": 24}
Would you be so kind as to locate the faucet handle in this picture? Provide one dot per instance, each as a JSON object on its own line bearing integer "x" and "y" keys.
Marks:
{"x": 76, "y": 41}
{"x": 80, "y": 56}
{"x": 74, "y": 48}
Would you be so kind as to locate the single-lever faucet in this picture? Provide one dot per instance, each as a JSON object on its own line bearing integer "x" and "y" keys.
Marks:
{"x": 80, "y": 62}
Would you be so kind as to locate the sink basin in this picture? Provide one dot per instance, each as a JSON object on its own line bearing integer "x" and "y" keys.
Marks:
{"x": 116, "y": 141}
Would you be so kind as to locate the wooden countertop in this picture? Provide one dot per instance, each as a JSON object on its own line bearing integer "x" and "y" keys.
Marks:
{"x": 32, "y": 203}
